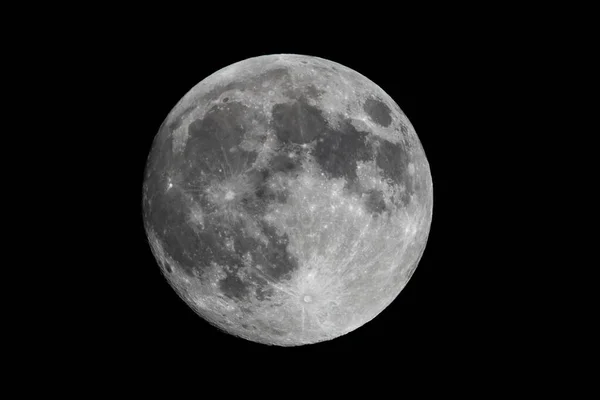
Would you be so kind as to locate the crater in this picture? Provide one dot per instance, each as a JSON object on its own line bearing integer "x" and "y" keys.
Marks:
{"x": 378, "y": 111}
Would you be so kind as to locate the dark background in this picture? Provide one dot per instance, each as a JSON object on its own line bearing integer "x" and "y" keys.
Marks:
{"x": 440, "y": 313}
{"x": 97, "y": 84}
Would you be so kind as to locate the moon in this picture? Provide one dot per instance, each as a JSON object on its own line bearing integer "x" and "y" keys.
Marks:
{"x": 287, "y": 199}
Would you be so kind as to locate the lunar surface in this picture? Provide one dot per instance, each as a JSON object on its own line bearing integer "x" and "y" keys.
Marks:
{"x": 287, "y": 199}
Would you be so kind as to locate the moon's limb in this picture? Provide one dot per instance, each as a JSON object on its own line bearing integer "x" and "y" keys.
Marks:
{"x": 288, "y": 178}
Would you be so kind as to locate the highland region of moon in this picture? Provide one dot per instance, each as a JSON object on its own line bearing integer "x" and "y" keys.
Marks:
{"x": 287, "y": 199}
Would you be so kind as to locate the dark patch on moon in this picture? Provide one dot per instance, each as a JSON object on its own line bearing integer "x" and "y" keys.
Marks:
{"x": 261, "y": 194}
{"x": 378, "y": 111}
{"x": 196, "y": 248}
{"x": 312, "y": 92}
{"x": 393, "y": 160}
{"x": 233, "y": 287}
{"x": 211, "y": 138}
{"x": 374, "y": 201}
{"x": 339, "y": 150}
{"x": 211, "y": 246}
{"x": 189, "y": 246}
{"x": 167, "y": 217}
{"x": 180, "y": 241}
{"x": 256, "y": 177}
{"x": 297, "y": 122}
{"x": 267, "y": 195}
{"x": 273, "y": 258}
{"x": 283, "y": 163}
{"x": 256, "y": 202}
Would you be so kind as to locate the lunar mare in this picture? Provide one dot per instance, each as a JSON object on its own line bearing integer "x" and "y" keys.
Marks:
{"x": 287, "y": 199}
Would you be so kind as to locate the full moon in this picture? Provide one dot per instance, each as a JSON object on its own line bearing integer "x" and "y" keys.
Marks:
{"x": 287, "y": 199}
